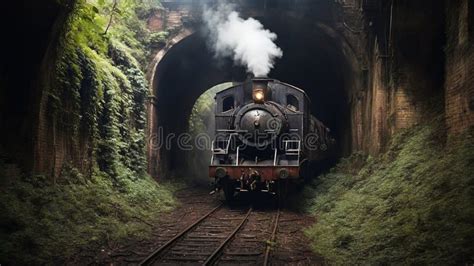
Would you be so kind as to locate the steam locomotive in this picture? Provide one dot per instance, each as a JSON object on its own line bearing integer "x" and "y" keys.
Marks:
{"x": 265, "y": 138}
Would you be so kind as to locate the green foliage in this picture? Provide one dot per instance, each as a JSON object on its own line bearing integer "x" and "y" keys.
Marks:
{"x": 411, "y": 206}
{"x": 99, "y": 90}
{"x": 129, "y": 24}
{"x": 42, "y": 223}
{"x": 158, "y": 39}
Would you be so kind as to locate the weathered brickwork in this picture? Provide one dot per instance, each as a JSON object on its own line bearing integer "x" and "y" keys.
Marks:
{"x": 459, "y": 91}
{"x": 156, "y": 22}
{"x": 460, "y": 67}
{"x": 376, "y": 108}
{"x": 53, "y": 145}
{"x": 404, "y": 110}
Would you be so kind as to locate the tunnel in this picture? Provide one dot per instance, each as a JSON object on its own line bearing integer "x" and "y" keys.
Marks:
{"x": 22, "y": 58}
{"x": 313, "y": 59}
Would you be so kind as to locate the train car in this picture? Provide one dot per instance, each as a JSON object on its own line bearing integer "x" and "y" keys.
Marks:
{"x": 265, "y": 137}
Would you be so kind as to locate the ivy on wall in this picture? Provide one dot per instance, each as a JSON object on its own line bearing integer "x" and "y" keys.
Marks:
{"x": 99, "y": 87}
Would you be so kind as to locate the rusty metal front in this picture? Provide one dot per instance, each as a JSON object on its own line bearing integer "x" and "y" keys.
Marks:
{"x": 266, "y": 173}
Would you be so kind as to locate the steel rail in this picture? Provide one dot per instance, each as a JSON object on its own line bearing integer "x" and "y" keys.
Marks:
{"x": 214, "y": 255}
{"x": 148, "y": 260}
{"x": 272, "y": 239}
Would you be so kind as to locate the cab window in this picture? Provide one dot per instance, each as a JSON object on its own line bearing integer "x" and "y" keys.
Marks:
{"x": 228, "y": 103}
{"x": 292, "y": 102}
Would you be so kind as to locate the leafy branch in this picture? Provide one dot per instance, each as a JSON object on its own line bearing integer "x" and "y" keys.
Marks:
{"x": 114, "y": 9}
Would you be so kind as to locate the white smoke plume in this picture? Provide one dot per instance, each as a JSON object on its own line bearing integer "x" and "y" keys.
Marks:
{"x": 246, "y": 41}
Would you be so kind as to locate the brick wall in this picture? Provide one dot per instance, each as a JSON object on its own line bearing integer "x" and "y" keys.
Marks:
{"x": 378, "y": 106}
{"x": 156, "y": 22}
{"x": 459, "y": 86}
{"x": 53, "y": 145}
{"x": 405, "y": 71}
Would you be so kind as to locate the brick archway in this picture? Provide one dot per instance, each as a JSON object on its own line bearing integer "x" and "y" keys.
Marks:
{"x": 186, "y": 68}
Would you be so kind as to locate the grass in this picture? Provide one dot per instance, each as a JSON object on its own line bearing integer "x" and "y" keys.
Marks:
{"x": 413, "y": 205}
{"x": 45, "y": 223}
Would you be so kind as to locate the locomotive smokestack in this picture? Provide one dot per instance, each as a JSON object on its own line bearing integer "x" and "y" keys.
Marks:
{"x": 260, "y": 83}
{"x": 250, "y": 77}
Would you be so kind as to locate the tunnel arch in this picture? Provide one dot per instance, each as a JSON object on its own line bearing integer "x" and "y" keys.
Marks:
{"x": 316, "y": 59}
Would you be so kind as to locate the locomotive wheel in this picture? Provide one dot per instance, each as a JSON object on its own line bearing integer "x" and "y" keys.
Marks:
{"x": 229, "y": 190}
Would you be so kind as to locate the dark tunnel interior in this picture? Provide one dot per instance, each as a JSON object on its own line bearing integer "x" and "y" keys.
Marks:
{"x": 23, "y": 52}
{"x": 312, "y": 61}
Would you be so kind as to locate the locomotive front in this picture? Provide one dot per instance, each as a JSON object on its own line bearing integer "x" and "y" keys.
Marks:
{"x": 260, "y": 126}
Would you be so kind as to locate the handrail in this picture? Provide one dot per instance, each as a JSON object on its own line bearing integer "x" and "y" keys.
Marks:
{"x": 226, "y": 150}
{"x": 275, "y": 157}
{"x": 293, "y": 152}
{"x": 237, "y": 159}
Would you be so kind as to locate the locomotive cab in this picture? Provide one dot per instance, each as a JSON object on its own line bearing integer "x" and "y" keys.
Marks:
{"x": 260, "y": 128}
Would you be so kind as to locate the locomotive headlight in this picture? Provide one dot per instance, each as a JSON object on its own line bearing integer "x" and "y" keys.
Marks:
{"x": 258, "y": 96}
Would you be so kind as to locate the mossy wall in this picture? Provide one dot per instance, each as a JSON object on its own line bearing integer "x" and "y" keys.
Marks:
{"x": 92, "y": 110}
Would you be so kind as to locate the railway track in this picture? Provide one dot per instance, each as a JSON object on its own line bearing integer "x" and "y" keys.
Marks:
{"x": 221, "y": 236}
{"x": 272, "y": 239}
